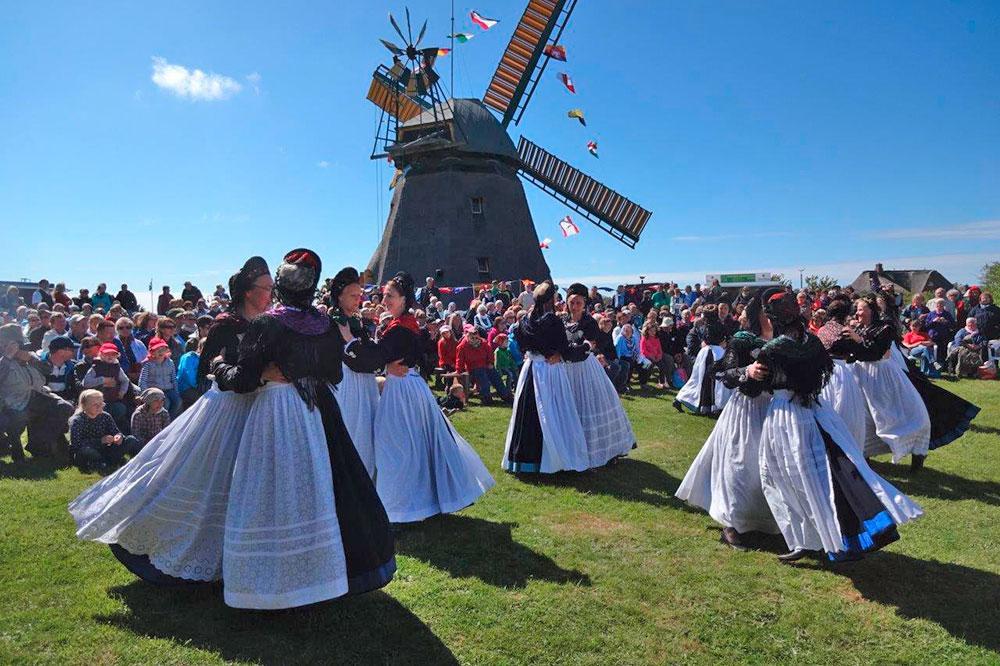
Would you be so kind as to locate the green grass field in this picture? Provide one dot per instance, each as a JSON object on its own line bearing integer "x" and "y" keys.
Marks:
{"x": 604, "y": 567}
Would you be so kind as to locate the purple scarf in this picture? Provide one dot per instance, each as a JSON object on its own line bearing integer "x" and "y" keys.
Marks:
{"x": 306, "y": 322}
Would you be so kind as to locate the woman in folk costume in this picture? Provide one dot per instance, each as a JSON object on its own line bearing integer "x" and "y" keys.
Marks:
{"x": 304, "y": 523}
{"x": 843, "y": 392}
{"x": 897, "y": 419}
{"x": 357, "y": 394}
{"x": 702, "y": 394}
{"x": 545, "y": 432}
{"x": 821, "y": 491}
{"x": 164, "y": 512}
{"x": 724, "y": 478}
{"x": 424, "y": 467}
{"x": 605, "y": 425}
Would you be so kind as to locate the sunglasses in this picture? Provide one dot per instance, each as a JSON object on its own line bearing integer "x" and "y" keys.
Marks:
{"x": 168, "y": 326}
{"x": 124, "y": 328}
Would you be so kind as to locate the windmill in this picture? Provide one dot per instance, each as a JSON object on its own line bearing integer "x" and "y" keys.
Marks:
{"x": 458, "y": 204}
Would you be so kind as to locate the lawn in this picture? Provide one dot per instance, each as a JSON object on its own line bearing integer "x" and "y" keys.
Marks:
{"x": 604, "y": 567}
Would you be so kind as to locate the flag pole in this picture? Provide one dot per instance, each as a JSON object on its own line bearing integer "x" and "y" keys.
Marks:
{"x": 453, "y": 54}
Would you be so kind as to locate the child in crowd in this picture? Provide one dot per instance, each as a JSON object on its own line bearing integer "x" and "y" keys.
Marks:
{"x": 503, "y": 361}
{"x": 59, "y": 369}
{"x": 106, "y": 374}
{"x": 454, "y": 401}
{"x": 158, "y": 372}
{"x": 187, "y": 375}
{"x": 150, "y": 417}
{"x": 95, "y": 442}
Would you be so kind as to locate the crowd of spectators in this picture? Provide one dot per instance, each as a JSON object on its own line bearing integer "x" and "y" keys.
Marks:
{"x": 112, "y": 375}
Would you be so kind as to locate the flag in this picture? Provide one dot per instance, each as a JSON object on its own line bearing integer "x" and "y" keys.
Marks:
{"x": 151, "y": 284}
{"x": 568, "y": 82}
{"x": 461, "y": 37}
{"x": 529, "y": 284}
{"x": 578, "y": 114}
{"x": 546, "y": 242}
{"x": 568, "y": 227}
{"x": 555, "y": 51}
{"x": 395, "y": 178}
{"x": 482, "y": 21}
{"x": 592, "y": 149}
{"x": 443, "y": 52}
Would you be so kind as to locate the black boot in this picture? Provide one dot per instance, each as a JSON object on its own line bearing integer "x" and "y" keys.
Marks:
{"x": 917, "y": 462}
{"x": 678, "y": 406}
{"x": 731, "y": 538}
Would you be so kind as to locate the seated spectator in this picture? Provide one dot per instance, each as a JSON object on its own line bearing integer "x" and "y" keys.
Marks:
{"x": 96, "y": 442}
{"x": 447, "y": 347}
{"x": 166, "y": 331}
{"x": 650, "y": 347}
{"x": 83, "y": 298}
{"x": 86, "y": 355}
{"x": 473, "y": 356}
{"x": 987, "y": 316}
{"x": 190, "y": 293}
{"x": 60, "y": 297}
{"x": 150, "y": 417}
{"x": 163, "y": 301}
{"x": 482, "y": 319}
{"x": 145, "y": 326}
{"x": 627, "y": 346}
{"x": 57, "y": 329}
{"x": 60, "y": 375}
{"x": 158, "y": 371}
{"x": 106, "y": 331}
{"x": 25, "y": 401}
{"x": 453, "y": 401}
{"x": 106, "y": 375}
{"x": 41, "y": 295}
{"x": 93, "y": 321}
{"x": 499, "y": 328}
{"x": 101, "y": 300}
{"x": 968, "y": 350}
{"x": 816, "y": 321}
{"x": 503, "y": 361}
{"x": 133, "y": 352}
{"x": 220, "y": 294}
{"x": 187, "y": 377}
{"x": 77, "y": 331}
{"x": 607, "y": 356}
{"x": 917, "y": 309}
{"x": 939, "y": 325}
{"x": 919, "y": 346}
{"x": 37, "y": 328}
{"x": 12, "y": 300}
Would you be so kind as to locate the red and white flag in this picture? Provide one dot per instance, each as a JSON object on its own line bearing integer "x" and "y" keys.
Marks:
{"x": 568, "y": 227}
{"x": 546, "y": 242}
{"x": 568, "y": 82}
{"x": 592, "y": 148}
{"x": 555, "y": 51}
{"x": 482, "y": 21}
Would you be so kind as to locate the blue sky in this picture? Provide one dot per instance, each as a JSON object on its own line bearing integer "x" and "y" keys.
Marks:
{"x": 764, "y": 136}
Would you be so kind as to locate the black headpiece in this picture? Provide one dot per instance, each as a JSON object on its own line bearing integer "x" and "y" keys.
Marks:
{"x": 346, "y": 276}
{"x": 839, "y": 309}
{"x": 297, "y": 277}
{"x": 403, "y": 282}
{"x": 242, "y": 281}
{"x": 543, "y": 295}
{"x": 576, "y": 289}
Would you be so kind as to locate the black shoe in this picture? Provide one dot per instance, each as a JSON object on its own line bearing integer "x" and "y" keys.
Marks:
{"x": 917, "y": 462}
{"x": 731, "y": 538}
{"x": 678, "y": 406}
{"x": 795, "y": 555}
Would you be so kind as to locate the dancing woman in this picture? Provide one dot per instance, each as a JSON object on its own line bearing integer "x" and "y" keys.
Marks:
{"x": 897, "y": 418}
{"x": 545, "y": 432}
{"x": 724, "y": 478}
{"x": 702, "y": 394}
{"x": 843, "y": 392}
{"x": 357, "y": 394}
{"x": 163, "y": 513}
{"x": 606, "y": 427}
{"x": 424, "y": 466}
{"x": 820, "y": 489}
{"x": 304, "y": 523}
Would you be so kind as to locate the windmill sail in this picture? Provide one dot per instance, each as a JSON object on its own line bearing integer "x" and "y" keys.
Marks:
{"x": 391, "y": 95}
{"x": 519, "y": 70}
{"x": 617, "y": 215}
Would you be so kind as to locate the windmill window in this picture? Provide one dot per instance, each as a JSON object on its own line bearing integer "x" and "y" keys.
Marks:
{"x": 484, "y": 264}
{"x": 477, "y": 205}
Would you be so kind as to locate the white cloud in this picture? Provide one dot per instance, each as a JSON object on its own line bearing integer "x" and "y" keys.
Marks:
{"x": 323, "y": 164}
{"x": 192, "y": 84}
{"x": 984, "y": 230}
{"x": 253, "y": 78}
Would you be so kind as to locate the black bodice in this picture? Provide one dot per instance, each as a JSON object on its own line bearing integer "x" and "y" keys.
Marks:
{"x": 546, "y": 335}
{"x": 799, "y": 364}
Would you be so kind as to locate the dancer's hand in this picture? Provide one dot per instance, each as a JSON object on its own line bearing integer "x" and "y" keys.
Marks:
{"x": 555, "y": 358}
{"x": 273, "y": 374}
{"x": 397, "y": 369}
{"x": 850, "y": 334}
{"x": 757, "y": 371}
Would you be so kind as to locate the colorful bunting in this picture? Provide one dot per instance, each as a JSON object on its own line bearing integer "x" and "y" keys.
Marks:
{"x": 578, "y": 114}
{"x": 546, "y": 242}
{"x": 568, "y": 227}
{"x": 482, "y": 21}
{"x": 592, "y": 149}
{"x": 566, "y": 81}
{"x": 555, "y": 51}
{"x": 461, "y": 37}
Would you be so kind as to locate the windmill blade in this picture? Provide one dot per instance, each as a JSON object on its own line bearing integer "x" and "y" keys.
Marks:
{"x": 522, "y": 64}
{"x": 617, "y": 215}
{"x": 392, "y": 47}
{"x": 396, "y": 27}
{"x": 409, "y": 29}
{"x": 388, "y": 93}
{"x": 421, "y": 35}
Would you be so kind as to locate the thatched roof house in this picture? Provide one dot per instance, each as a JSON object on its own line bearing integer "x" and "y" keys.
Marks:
{"x": 911, "y": 281}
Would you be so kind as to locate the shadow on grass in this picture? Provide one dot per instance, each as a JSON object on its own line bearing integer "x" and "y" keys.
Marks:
{"x": 373, "y": 628}
{"x": 986, "y": 430}
{"x": 930, "y": 482}
{"x": 472, "y": 547}
{"x": 625, "y": 479}
{"x": 965, "y": 602}
{"x": 32, "y": 469}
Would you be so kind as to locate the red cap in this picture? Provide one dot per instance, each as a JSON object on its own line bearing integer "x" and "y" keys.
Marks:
{"x": 108, "y": 348}
{"x": 156, "y": 343}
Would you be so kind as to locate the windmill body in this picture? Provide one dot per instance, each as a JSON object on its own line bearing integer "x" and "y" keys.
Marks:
{"x": 458, "y": 210}
{"x": 458, "y": 205}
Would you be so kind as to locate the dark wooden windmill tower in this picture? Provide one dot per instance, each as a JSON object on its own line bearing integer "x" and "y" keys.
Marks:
{"x": 458, "y": 205}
